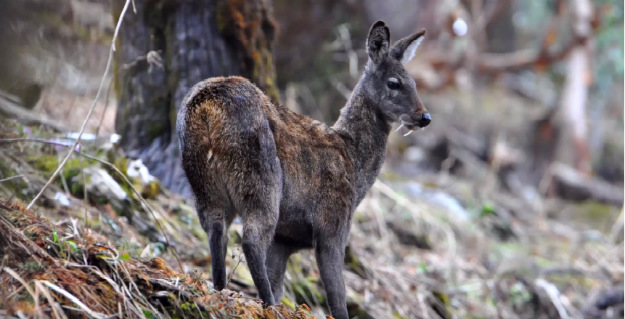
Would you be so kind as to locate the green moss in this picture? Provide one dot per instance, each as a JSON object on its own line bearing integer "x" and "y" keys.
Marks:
{"x": 32, "y": 266}
{"x": 72, "y": 172}
{"x": 595, "y": 215}
{"x": 234, "y": 236}
{"x": 123, "y": 208}
{"x": 353, "y": 263}
{"x": 355, "y": 310}
{"x": 148, "y": 314}
{"x": 597, "y": 211}
{"x": 177, "y": 310}
{"x": 306, "y": 291}
{"x": 101, "y": 200}
{"x": 73, "y": 167}
{"x": 287, "y": 302}
{"x": 44, "y": 163}
{"x": 151, "y": 190}
{"x": 294, "y": 264}
{"x": 442, "y": 306}
{"x": 442, "y": 297}
{"x": 77, "y": 189}
{"x": 121, "y": 163}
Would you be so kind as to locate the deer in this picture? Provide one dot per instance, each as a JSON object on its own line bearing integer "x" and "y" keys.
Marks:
{"x": 293, "y": 181}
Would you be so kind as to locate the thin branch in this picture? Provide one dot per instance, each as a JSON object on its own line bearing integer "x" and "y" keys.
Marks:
{"x": 235, "y": 268}
{"x": 10, "y": 178}
{"x": 93, "y": 105}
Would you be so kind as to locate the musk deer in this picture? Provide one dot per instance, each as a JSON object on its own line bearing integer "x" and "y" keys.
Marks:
{"x": 295, "y": 182}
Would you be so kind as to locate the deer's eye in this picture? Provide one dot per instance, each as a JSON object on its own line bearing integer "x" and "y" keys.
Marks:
{"x": 393, "y": 84}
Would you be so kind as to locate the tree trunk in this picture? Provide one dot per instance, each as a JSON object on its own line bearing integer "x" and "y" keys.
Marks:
{"x": 573, "y": 147}
{"x": 166, "y": 48}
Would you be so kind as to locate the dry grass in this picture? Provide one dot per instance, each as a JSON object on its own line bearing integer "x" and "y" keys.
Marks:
{"x": 71, "y": 272}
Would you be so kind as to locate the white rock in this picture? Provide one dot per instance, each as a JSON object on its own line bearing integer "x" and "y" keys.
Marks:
{"x": 102, "y": 183}
{"x": 62, "y": 199}
{"x": 137, "y": 169}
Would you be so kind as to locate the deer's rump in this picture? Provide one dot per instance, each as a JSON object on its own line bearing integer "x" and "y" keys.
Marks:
{"x": 228, "y": 150}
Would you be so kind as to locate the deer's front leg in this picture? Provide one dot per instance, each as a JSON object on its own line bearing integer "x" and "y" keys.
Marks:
{"x": 330, "y": 255}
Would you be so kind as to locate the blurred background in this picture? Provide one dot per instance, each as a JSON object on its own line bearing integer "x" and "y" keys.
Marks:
{"x": 509, "y": 205}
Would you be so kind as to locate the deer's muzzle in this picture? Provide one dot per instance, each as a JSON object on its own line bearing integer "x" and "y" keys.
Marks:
{"x": 417, "y": 121}
{"x": 425, "y": 120}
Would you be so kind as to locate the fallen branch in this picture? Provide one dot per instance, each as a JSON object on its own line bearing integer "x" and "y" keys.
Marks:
{"x": 570, "y": 184}
{"x": 554, "y": 294}
{"x": 12, "y": 108}
{"x": 498, "y": 62}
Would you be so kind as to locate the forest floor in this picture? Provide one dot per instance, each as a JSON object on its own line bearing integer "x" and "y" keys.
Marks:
{"x": 424, "y": 244}
{"x": 451, "y": 228}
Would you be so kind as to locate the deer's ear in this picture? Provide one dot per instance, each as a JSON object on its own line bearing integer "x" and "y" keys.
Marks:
{"x": 404, "y": 50}
{"x": 378, "y": 41}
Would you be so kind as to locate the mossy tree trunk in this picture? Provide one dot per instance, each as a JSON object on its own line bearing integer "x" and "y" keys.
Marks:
{"x": 193, "y": 40}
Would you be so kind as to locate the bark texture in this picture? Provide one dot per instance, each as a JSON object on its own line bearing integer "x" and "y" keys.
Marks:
{"x": 167, "y": 47}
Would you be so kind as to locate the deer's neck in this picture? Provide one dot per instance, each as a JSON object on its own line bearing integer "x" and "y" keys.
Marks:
{"x": 365, "y": 133}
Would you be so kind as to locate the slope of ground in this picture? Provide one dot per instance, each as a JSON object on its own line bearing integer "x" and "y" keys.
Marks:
{"x": 426, "y": 247}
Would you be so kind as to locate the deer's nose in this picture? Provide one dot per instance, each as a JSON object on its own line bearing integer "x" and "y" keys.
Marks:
{"x": 425, "y": 120}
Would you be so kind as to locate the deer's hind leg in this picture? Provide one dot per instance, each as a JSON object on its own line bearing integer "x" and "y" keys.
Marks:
{"x": 256, "y": 241}
{"x": 215, "y": 222}
{"x": 257, "y": 201}
{"x": 259, "y": 213}
{"x": 212, "y": 208}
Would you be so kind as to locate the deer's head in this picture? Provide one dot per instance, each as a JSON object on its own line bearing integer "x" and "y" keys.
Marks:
{"x": 386, "y": 80}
